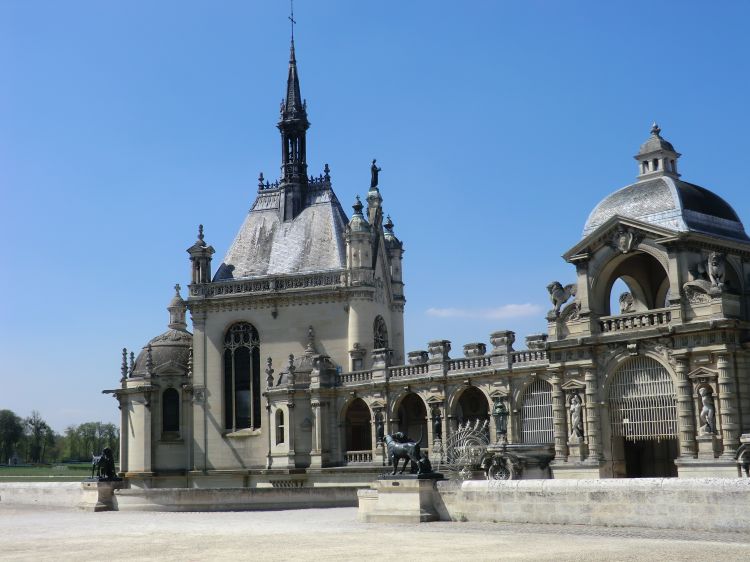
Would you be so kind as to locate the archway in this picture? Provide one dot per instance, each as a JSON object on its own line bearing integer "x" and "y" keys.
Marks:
{"x": 472, "y": 406}
{"x": 640, "y": 275}
{"x": 358, "y": 436}
{"x": 412, "y": 417}
{"x": 643, "y": 419}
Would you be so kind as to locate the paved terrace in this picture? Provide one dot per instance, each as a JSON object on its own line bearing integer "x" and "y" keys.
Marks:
{"x": 333, "y": 534}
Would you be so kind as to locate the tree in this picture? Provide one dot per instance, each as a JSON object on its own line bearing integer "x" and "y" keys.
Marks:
{"x": 37, "y": 432}
{"x": 11, "y": 432}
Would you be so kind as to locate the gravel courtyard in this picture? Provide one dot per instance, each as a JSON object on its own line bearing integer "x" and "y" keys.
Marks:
{"x": 333, "y": 534}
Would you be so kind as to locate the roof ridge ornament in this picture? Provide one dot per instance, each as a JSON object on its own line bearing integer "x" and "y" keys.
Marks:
{"x": 655, "y": 129}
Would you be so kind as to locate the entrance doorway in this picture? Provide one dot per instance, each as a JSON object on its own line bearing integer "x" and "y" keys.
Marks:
{"x": 651, "y": 458}
{"x": 643, "y": 420}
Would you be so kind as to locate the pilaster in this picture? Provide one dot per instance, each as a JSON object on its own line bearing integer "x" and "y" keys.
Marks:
{"x": 593, "y": 422}
{"x": 685, "y": 414}
{"x": 728, "y": 404}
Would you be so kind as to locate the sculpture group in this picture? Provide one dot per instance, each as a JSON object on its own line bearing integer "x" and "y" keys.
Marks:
{"x": 399, "y": 446}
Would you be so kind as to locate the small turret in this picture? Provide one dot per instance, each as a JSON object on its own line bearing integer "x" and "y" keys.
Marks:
{"x": 200, "y": 256}
{"x": 395, "y": 252}
{"x": 177, "y": 309}
{"x": 657, "y": 157}
{"x": 358, "y": 239}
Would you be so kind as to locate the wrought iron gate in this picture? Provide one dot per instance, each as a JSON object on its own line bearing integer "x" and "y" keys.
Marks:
{"x": 642, "y": 401}
{"x": 536, "y": 413}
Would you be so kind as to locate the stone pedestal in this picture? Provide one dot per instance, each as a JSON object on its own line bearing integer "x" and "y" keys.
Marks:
{"x": 406, "y": 499}
{"x": 708, "y": 446}
{"x": 100, "y": 495}
{"x": 577, "y": 451}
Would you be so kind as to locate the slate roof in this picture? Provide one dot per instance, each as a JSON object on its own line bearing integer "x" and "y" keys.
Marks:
{"x": 265, "y": 245}
{"x": 670, "y": 203}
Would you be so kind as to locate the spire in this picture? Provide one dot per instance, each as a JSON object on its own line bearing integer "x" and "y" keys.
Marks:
{"x": 293, "y": 125}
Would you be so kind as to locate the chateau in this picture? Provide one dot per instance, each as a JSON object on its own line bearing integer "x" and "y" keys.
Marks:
{"x": 296, "y": 367}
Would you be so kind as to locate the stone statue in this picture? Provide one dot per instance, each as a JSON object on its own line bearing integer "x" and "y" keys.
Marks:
{"x": 576, "y": 419}
{"x": 627, "y": 303}
{"x": 559, "y": 295}
{"x": 374, "y": 170}
{"x": 379, "y": 427}
{"x": 708, "y": 412}
{"x": 500, "y": 413}
{"x": 716, "y": 269}
{"x": 437, "y": 424}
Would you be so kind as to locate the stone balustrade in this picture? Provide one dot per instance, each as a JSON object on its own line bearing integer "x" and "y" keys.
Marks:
{"x": 635, "y": 320}
{"x": 354, "y": 457}
{"x": 404, "y": 371}
{"x": 355, "y": 377}
{"x": 528, "y": 356}
{"x": 469, "y": 363}
{"x": 269, "y": 284}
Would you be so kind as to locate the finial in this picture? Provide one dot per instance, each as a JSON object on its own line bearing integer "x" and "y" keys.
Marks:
{"x": 124, "y": 367}
{"x": 200, "y": 232}
{"x": 357, "y": 206}
{"x": 655, "y": 129}
{"x": 326, "y": 173}
{"x": 131, "y": 368}
{"x": 149, "y": 361}
{"x": 310, "y": 349}
{"x": 389, "y": 224}
{"x": 269, "y": 373}
{"x": 260, "y": 181}
{"x": 177, "y": 290}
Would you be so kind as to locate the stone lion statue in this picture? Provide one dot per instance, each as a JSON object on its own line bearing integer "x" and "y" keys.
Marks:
{"x": 559, "y": 295}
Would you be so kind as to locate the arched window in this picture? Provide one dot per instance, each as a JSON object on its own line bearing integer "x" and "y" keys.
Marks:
{"x": 536, "y": 413}
{"x": 170, "y": 411}
{"x": 242, "y": 377}
{"x": 381, "y": 333}
{"x": 279, "y": 426}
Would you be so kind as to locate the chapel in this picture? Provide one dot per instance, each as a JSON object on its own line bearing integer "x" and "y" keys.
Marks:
{"x": 296, "y": 368}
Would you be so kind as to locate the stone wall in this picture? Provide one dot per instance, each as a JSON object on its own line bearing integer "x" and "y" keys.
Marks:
{"x": 43, "y": 494}
{"x": 703, "y": 503}
{"x": 233, "y": 499}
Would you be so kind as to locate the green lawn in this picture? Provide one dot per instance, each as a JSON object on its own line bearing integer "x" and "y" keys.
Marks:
{"x": 55, "y": 472}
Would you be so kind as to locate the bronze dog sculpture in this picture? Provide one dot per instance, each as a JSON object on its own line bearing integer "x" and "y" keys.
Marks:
{"x": 399, "y": 446}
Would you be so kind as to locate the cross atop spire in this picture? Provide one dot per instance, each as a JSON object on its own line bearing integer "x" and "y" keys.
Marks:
{"x": 291, "y": 19}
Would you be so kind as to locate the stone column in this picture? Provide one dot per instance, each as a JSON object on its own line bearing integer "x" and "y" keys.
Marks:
{"x": 592, "y": 417}
{"x": 269, "y": 429}
{"x": 291, "y": 454}
{"x": 559, "y": 415}
{"x": 685, "y": 414}
{"x": 728, "y": 405}
{"x": 316, "y": 452}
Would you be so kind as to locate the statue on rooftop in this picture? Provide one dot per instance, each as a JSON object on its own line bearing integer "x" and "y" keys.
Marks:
{"x": 374, "y": 170}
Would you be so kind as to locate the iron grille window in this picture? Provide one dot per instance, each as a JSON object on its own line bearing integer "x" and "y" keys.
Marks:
{"x": 642, "y": 401}
{"x": 536, "y": 413}
{"x": 242, "y": 377}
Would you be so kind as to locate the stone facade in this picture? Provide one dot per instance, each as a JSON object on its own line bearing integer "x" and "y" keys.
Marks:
{"x": 296, "y": 367}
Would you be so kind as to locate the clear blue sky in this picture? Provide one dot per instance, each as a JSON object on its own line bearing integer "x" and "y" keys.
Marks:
{"x": 498, "y": 125}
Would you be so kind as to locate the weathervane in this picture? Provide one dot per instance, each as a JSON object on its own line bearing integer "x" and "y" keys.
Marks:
{"x": 291, "y": 17}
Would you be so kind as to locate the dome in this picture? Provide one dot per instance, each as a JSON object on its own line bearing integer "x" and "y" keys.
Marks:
{"x": 171, "y": 346}
{"x": 670, "y": 203}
